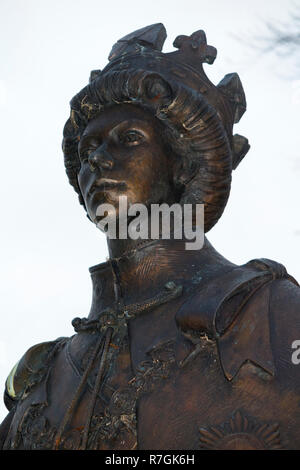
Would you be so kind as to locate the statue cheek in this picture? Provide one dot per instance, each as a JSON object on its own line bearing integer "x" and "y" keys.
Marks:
{"x": 83, "y": 177}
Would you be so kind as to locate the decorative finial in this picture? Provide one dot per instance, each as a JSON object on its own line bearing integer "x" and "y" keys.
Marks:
{"x": 197, "y": 44}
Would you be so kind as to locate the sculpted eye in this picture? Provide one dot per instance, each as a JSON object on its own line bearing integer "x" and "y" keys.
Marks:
{"x": 131, "y": 138}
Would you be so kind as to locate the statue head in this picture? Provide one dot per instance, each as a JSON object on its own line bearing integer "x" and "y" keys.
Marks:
{"x": 153, "y": 127}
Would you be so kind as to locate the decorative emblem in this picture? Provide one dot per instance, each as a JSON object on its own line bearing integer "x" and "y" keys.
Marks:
{"x": 119, "y": 416}
{"x": 241, "y": 433}
{"x": 34, "y": 431}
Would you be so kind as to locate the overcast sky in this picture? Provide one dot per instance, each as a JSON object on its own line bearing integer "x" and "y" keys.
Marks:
{"x": 47, "y": 244}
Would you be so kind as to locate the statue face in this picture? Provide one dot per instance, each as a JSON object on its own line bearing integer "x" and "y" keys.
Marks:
{"x": 122, "y": 154}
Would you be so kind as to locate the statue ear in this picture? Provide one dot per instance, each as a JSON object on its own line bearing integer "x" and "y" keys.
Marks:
{"x": 156, "y": 90}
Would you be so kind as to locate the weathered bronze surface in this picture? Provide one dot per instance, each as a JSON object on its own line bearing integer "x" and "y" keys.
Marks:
{"x": 181, "y": 349}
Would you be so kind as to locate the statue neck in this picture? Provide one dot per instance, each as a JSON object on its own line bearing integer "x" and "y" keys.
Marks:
{"x": 141, "y": 271}
{"x": 119, "y": 248}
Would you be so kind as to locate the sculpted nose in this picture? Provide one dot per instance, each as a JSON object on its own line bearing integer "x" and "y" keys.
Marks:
{"x": 101, "y": 158}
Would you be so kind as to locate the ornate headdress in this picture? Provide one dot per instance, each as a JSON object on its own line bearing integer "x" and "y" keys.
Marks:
{"x": 174, "y": 85}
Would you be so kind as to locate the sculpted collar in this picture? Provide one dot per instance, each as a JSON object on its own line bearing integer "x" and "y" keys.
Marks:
{"x": 151, "y": 271}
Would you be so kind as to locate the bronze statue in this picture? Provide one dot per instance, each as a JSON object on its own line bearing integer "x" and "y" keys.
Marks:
{"x": 181, "y": 349}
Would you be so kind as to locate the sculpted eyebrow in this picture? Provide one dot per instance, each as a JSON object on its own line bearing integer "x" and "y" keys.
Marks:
{"x": 87, "y": 137}
{"x": 87, "y": 140}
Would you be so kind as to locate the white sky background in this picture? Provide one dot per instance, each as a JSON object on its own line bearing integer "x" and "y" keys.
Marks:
{"x": 47, "y": 244}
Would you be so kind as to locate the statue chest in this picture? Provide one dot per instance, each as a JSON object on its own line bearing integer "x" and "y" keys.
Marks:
{"x": 164, "y": 384}
{"x": 178, "y": 398}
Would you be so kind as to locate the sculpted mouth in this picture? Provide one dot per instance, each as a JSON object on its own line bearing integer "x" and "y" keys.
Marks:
{"x": 105, "y": 184}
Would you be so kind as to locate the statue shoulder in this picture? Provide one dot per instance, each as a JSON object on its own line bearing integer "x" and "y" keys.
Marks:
{"x": 30, "y": 370}
{"x": 215, "y": 305}
{"x": 263, "y": 277}
{"x": 285, "y": 292}
{"x": 244, "y": 311}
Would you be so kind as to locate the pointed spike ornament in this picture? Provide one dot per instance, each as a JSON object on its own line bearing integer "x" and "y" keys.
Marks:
{"x": 152, "y": 36}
